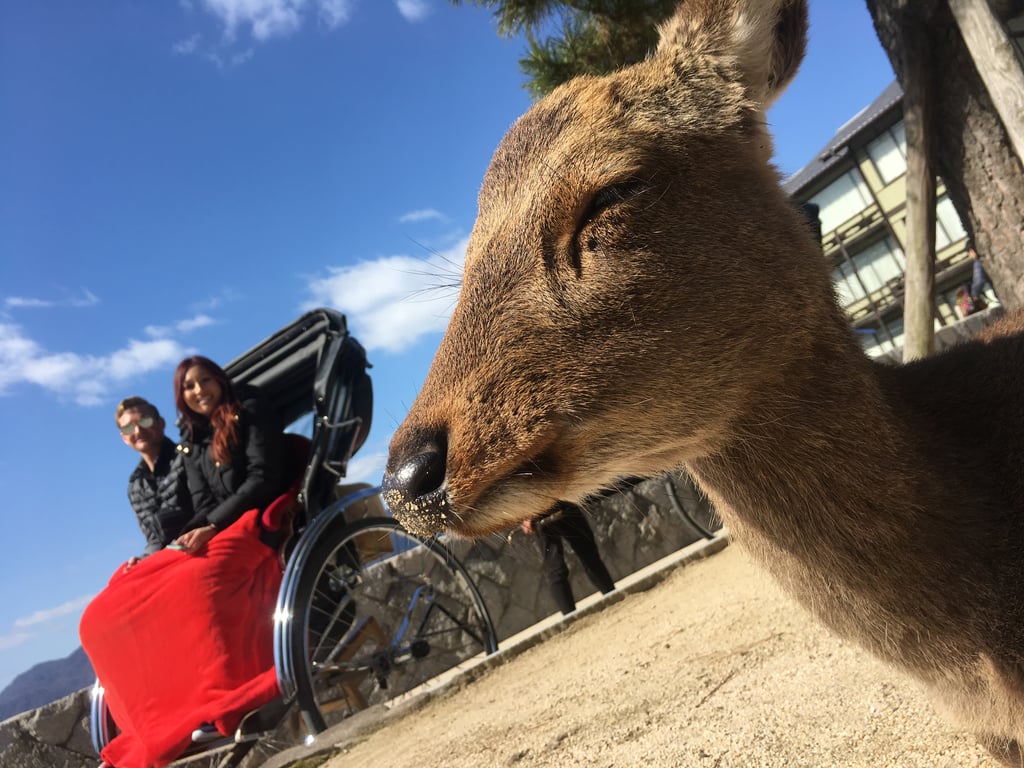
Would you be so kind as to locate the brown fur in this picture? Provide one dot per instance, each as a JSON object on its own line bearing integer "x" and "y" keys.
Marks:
{"x": 639, "y": 294}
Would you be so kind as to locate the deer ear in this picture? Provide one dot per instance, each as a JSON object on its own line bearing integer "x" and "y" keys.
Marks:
{"x": 762, "y": 40}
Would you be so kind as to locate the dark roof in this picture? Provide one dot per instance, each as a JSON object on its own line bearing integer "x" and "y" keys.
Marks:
{"x": 838, "y": 146}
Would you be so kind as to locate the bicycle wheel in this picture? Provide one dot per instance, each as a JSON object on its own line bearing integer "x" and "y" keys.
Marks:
{"x": 377, "y": 612}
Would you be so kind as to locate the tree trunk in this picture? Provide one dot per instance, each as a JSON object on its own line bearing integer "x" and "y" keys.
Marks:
{"x": 997, "y": 64}
{"x": 919, "y": 296}
{"x": 971, "y": 150}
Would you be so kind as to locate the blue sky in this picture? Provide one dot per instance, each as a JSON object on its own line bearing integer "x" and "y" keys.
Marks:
{"x": 191, "y": 175}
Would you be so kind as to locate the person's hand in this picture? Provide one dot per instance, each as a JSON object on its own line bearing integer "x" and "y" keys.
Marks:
{"x": 191, "y": 542}
{"x": 526, "y": 526}
{"x": 132, "y": 562}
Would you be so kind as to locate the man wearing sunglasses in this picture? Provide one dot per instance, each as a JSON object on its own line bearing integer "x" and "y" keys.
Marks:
{"x": 158, "y": 488}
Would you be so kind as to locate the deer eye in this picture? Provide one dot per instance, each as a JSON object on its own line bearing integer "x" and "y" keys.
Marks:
{"x": 610, "y": 196}
{"x": 587, "y": 236}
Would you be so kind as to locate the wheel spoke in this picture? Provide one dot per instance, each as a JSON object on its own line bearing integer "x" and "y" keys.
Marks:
{"x": 384, "y": 612}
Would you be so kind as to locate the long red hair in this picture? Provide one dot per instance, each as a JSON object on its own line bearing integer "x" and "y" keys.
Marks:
{"x": 223, "y": 421}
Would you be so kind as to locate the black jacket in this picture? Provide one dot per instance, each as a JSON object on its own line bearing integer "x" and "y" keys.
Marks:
{"x": 160, "y": 498}
{"x": 253, "y": 478}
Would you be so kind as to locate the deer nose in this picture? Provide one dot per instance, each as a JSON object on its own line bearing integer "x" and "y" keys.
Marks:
{"x": 420, "y": 475}
{"x": 416, "y": 492}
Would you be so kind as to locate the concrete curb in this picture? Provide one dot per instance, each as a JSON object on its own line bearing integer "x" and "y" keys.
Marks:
{"x": 345, "y": 734}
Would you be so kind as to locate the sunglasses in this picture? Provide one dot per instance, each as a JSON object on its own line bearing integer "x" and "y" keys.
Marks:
{"x": 144, "y": 422}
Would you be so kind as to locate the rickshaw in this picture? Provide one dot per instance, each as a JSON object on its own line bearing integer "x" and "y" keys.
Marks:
{"x": 367, "y": 611}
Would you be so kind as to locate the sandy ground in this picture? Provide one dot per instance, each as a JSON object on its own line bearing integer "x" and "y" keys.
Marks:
{"x": 711, "y": 667}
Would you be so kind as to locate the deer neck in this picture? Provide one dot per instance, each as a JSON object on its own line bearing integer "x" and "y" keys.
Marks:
{"x": 821, "y": 422}
{"x": 822, "y": 484}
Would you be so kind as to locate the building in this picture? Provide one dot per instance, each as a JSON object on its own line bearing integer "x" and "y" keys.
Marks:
{"x": 858, "y": 182}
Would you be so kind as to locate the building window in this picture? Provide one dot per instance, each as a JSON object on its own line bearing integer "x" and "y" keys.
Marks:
{"x": 945, "y": 303}
{"x": 847, "y": 287}
{"x": 868, "y": 270}
{"x": 948, "y": 228}
{"x": 889, "y": 153}
{"x": 841, "y": 200}
{"x": 1015, "y": 29}
{"x": 884, "y": 338}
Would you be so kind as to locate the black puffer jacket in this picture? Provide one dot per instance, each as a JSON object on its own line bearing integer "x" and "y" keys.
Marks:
{"x": 160, "y": 498}
{"x": 253, "y": 478}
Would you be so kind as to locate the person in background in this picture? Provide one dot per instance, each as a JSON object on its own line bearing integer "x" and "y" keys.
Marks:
{"x": 979, "y": 278}
{"x": 157, "y": 488}
{"x": 566, "y": 521}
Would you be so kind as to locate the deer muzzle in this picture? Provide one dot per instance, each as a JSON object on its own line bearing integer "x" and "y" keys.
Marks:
{"x": 416, "y": 491}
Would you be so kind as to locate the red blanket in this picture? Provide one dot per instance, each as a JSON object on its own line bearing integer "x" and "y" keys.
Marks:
{"x": 181, "y": 640}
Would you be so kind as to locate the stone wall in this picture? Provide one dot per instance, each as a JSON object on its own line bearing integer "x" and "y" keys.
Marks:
{"x": 54, "y": 736}
{"x": 634, "y": 528}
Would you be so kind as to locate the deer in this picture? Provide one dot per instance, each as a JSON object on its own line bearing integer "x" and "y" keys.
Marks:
{"x": 638, "y": 295}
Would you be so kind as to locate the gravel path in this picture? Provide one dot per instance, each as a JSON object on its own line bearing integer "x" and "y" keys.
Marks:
{"x": 711, "y": 667}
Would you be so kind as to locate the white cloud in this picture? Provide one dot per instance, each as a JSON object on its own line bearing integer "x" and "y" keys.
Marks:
{"x": 423, "y": 214}
{"x": 86, "y": 299}
{"x": 19, "y": 302}
{"x": 188, "y": 45}
{"x": 413, "y": 10}
{"x": 182, "y": 326}
{"x": 86, "y": 379}
{"x": 208, "y": 305}
{"x": 49, "y": 614}
{"x": 26, "y": 627}
{"x": 367, "y": 468}
{"x": 141, "y": 357}
{"x": 265, "y": 18}
{"x": 14, "y": 639}
{"x": 214, "y": 58}
{"x": 257, "y": 20}
{"x": 334, "y": 13}
{"x": 242, "y": 57}
{"x": 392, "y": 301}
{"x": 14, "y": 347}
{"x": 191, "y": 324}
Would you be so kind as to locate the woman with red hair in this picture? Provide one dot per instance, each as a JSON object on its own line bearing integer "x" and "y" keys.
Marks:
{"x": 233, "y": 445}
{"x": 183, "y": 642}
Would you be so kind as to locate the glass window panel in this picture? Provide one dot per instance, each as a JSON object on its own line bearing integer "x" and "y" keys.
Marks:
{"x": 841, "y": 200}
{"x": 874, "y": 341}
{"x": 895, "y": 326}
{"x": 847, "y": 287}
{"x": 1015, "y": 28}
{"x": 888, "y": 156}
{"x": 879, "y": 263}
{"x": 899, "y": 132}
{"x": 945, "y": 303}
{"x": 948, "y": 228}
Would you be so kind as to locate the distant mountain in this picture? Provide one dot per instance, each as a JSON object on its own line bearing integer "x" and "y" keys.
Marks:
{"x": 46, "y": 682}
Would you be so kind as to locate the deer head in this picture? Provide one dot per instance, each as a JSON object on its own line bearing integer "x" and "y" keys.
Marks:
{"x": 630, "y": 285}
